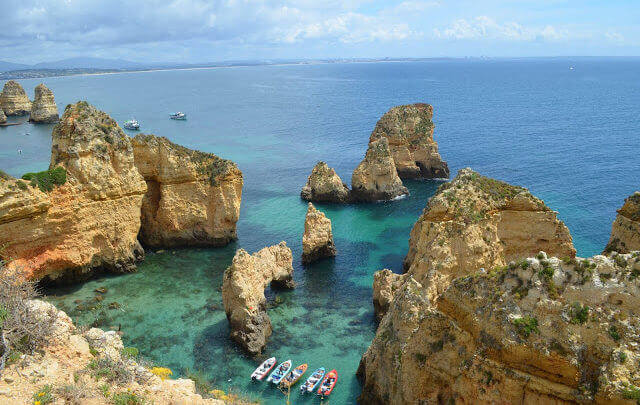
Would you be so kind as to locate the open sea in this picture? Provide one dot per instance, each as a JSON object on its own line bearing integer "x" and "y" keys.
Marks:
{"x": 571, "y": 136}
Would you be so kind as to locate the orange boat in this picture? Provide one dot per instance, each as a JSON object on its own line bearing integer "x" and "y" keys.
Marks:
{"x": 294, "y": 376}
{"x": 328, "y": 383}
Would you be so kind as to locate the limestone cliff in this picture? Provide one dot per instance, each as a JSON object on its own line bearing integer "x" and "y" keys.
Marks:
{"x": 541, "y": 330}
{"x": 243, "y": 296}
{"x": 193, "y": 198}
{"x": 77, "y": 367}
{"x": 14, "y": 100}
{"x": 44, "y": 108}
{"x": 88, "y": 221}
{"x": 409, "y": 129}
{"x": 625, "y": 232}
{"x": 324, "y": 185}
{"x": 317, "y": 240}
{"x": 3, "y": 117}
{"x": 376, "y": 178}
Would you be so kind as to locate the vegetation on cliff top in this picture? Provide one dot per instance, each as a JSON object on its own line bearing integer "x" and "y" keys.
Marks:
{"x": 48, "y": 179}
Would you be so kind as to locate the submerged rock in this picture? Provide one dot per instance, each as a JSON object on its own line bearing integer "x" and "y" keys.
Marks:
{"x": 44, "y": 108}
{"x": 317, "y": 241}
{"x": 83, "y": 215}
{"x": 409, "y": 130}
{"x": 14, "y": 100}
{"x": 243, "y": 296}
{"x": 376, "y": 178}
{"x": 193, "y": 198}
{"x": 324, "y": 185}
{"x": 625, "y": 232}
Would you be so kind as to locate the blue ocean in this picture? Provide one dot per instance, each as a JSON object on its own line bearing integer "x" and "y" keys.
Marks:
{"x": 567, "y": 129}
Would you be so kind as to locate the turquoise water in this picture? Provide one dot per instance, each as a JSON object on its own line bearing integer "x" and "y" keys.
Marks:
{"x": 571, "y": 136}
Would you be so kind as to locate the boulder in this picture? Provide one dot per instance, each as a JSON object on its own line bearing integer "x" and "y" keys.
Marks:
{"x": 44, "y": 108}
{"x": 193, "y": 198}
{"x": 324, "y": 185}
{"x": 243, "y": 296}
{"x": 625, "y": 232}
{"x": 376, "y": 178}
{"x": 14, "y": 100}
{"x": 317, "y": 241}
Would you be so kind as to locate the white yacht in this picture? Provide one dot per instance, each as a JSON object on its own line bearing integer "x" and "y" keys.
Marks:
{"x": 132, "y": 125}
{"x": 178, "y": 116}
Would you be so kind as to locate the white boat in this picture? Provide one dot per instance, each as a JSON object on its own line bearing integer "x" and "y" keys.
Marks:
{"x": 263, "y": 369}
{"x": 132, "y": 125}
{"x": 178, "y": 116}
{"x": 313, "y": 381}
{"x": 280, "y": 372}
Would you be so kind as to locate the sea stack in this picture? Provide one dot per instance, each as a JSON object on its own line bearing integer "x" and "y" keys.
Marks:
{"x": 44, "y": 108}
{"x": 14, "y": 100}
{"x": 3, "y": 118}
{"x": 83, "y": 214}
{"x": 324, "y": 185}
{"x": 409, "y": 130}
{"x": 625, "y": 232}
{"x": 193, "y": 198}
{"x": 376, "y": 178}
{"x": 317, "y": 241}
{"x": 243, "y": 293}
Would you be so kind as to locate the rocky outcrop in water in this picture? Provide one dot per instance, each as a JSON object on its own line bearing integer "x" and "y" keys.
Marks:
{"x": 193, "y": 198}
{"x": 243, "y": 296}
{"x": 317, "y": 240}
{"x": 3, "y": 118}
{"x": 409, "y": 130}
{"x": 385, "y": 284}
{"x": 625, "y": 232}
{"x": 541, "y": 330}
{"x": 14, "y": 100}
{"x": 376, "y": 178}
{"x": 324, "y": 185}
{"x": 83, "y": 215}
{"x": 44, "y": 108}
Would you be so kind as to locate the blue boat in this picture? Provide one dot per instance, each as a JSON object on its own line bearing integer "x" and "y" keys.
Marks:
{"x": 280, "y": 372}
{"x": 313, "y": 381}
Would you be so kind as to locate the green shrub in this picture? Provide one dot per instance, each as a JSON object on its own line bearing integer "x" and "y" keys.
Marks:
{"x": 613, "y": 332}
{"x": 130, "y": 352}
{"x": 632, "y": 392}
{"x": 43, "y": 396}
{"x": 47, "y": 179}
{"x": 21, "y": 185}
{"x": 202, "y": 383}
{"x": 526, "y": 325}
{"x": 127, "y": 398}
{"x": 579, "y": 313}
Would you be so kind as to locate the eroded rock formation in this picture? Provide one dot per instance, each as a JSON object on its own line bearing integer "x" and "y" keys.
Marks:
{"x": 376, "y": 178}
{"x": 625, "y": 232}
{"x": 44, "y": 108}
{"x": 243, "y": 296}
{"x": 541, "y": 330}
{"x": 3, "y": 117}
{"x": 90, "y": 222}
{"x": 317, "y": 240}
{"x": 14, "y": 100}
{"x": 193, "y": 198}
{"x": 324, "y": 185}
{"x": 409, "y": 129}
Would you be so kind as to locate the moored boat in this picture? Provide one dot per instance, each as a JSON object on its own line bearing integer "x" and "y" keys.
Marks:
{"x": 294, "y": 376}
{"x": 280, "y": 372}
{"x": 328, "y": 383}
{"x": 263, "y": 369}
{"x": 178, "y": 116}
{"x": 132, "y": 125}
{"x": 313, "y": 381}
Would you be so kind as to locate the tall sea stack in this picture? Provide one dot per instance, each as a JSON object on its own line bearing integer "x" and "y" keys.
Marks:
{"x": 14, "y": 100}
{"x": 43, "y": 108}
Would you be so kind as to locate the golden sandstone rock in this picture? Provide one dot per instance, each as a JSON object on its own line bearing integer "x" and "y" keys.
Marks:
{"x": 44, "y": 108}
{"x": 14, "y": 100}
{"x": 243, "y": 292}
{"x": 409, "y": 130}
{"x": 376, "y": 178}
{"x": 3, "y": 117}
{"x": 193, "y": 198}
{"x": 625, "y": 232}
{"x": 324, "y": 185}
{"x": 317, "y": 240}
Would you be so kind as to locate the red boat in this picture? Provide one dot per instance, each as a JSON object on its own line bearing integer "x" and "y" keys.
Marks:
{"x": 328, "y": 383}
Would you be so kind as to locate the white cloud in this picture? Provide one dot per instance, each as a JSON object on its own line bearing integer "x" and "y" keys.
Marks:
{"x": 614, "y": 36}
{"x": 484, "y": 27}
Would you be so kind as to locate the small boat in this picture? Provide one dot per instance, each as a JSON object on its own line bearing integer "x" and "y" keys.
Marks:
{"x": 313, "y": 381}
{"x": 280, "y": 372}
{"x": 294, "y": 376}
{"x": 263, "y": 369}
{"x": 132, "y": 125}
{"x": 178, "y": 116}
{"x": 328, "y": 383}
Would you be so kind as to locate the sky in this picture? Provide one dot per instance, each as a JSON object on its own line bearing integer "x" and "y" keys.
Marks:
{"x": 199, "y": 31}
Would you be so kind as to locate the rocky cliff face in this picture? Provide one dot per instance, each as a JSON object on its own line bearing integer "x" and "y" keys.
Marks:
{"x": 324, "y": 185}
{"x": 90, "y": 222}
{"x": 317, "y": 240}
{"x": 3, "y": 117}
{"x": 44, "y": 108}
{"x": 625, "y": 232}
{"x": 409, "y": 130}
{"x": 14, "y": 100}
{"x": 243, "y": 296}
{"x": 193, "y": 198}
{"x": 542, "y": 330}
{"x": 376, "y": 178}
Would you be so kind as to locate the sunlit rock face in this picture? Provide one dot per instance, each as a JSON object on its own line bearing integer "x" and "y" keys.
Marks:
{"x": 317, "y": 240}
{"x": 376, "y": 178}
{"x": 14, "y": 100}
{"x": 625, "y": 232}
{"x": 44, "y": 108}
{"x": 324, "y": 185}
